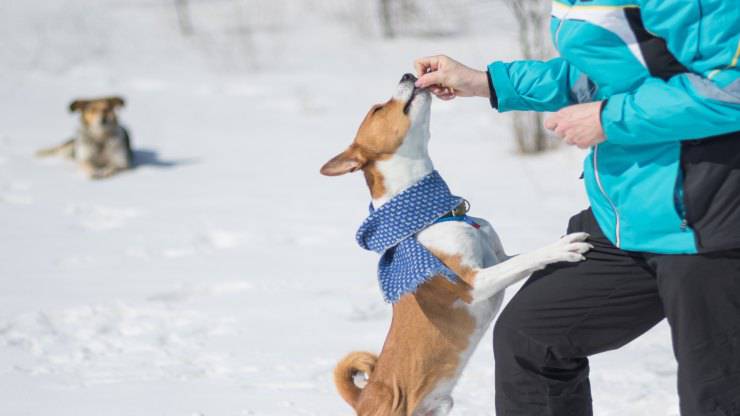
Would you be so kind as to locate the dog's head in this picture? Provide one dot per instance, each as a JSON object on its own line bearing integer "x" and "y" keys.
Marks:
{"x": 398, "y": 126}
{"x": 97, "y": 113}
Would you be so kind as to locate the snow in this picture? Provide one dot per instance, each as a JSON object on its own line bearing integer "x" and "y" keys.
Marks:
{"x": 221, "y": 276}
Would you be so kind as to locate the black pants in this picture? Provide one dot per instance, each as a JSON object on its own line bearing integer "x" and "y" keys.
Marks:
{"x": 570, "y": 311}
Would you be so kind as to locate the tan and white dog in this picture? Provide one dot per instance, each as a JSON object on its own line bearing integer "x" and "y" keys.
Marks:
{"x": 101, "y": 146}
{"x": 435, "y": 330}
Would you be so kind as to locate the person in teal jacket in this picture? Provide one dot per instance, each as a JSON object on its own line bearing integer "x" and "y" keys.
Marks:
{"x": 652, "y": 87}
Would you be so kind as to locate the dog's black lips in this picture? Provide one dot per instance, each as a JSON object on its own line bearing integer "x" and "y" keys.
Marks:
{"x": 411, "y": 100}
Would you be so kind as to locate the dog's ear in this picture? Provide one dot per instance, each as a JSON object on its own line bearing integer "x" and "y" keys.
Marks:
{"x": 348, "y": 161}
{"x": 78, "y": 105}
{"x": 116, "y": 101}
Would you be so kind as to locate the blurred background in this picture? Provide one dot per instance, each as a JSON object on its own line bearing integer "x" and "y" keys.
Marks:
{"x": 221, "y": 276}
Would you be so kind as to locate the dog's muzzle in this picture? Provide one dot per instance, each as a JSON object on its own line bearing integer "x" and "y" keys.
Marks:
{"x": 408, "y": 77}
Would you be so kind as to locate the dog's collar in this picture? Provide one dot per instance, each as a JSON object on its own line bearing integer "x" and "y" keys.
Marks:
{"x": 459, "y": 214}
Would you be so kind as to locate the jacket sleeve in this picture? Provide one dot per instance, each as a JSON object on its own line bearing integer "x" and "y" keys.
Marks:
{"x": 704, "y": 102}
{"x": 538, "y": 85}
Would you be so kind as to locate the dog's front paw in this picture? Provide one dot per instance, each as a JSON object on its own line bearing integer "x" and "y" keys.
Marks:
{"x": 570, "y": 248}
{"x": 102, "y": 173}
{"x": 97, "y": 174}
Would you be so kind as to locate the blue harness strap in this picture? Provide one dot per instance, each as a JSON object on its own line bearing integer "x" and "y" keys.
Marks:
{"x": 461, "y": 218}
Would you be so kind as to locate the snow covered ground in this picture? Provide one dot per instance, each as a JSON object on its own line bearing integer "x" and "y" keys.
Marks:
{"x": 221, "y": 276}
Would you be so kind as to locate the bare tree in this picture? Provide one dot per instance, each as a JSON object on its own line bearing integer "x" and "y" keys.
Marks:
{"x": 392, "y": 11}
{"x": 386, "y": 18}
{"x": 183, "y": 17}
{"x": 532, "y": 17}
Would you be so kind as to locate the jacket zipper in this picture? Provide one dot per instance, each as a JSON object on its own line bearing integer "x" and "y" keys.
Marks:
{"x": 678, "y": 195}
{"x": 603, "y": 192}
{"x": 560, "y": 26}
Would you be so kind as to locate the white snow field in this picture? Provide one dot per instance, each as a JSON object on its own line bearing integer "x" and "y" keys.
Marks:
{"x": 221, "y": 276}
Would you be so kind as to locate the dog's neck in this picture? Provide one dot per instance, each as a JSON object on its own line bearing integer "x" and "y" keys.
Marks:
{"x": 407, "y": 166}
{"x": 97, "y": 133}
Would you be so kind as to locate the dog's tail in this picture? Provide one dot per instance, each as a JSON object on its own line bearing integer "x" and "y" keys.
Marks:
{"x": 345, "y": 371}
{"x": 65, "y": 149}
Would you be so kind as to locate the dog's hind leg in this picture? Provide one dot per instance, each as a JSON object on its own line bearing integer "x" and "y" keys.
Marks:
{"x": 66, "y": 149}
{"x": 489, "y": 281}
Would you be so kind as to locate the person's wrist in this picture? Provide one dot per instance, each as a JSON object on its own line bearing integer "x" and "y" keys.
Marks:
{"x": 493, "y": 97}
{"x": 481, "y": 88}
{"x": 602, "y": 106}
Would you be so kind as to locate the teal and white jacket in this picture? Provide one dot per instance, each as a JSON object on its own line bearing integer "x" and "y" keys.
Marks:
{"x": 667, "y": 178}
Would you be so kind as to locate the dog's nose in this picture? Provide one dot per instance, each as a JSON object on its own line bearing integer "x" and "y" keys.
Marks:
{"x": 408, "y": 77}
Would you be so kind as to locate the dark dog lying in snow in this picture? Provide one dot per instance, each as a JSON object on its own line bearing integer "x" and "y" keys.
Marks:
{"x": 101, "y": 146}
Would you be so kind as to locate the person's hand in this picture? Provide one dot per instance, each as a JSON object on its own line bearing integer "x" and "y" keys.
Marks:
{"x": 447, "y": 78}
{"x": 578, "y": 124}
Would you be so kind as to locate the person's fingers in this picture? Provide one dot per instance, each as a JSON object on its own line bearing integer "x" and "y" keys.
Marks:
{"x": 444, "y": 94}
{"x": 448, "y": 94}
{"x": 561, "y": 131}
{"x": 426, "y": 64}
{"x": 431, "y": 78}
{"x": 436, "y": 90}
{"x": 420, "y": 67}
{"x": 551, "y": 121}
{"x": 573, "y": 137}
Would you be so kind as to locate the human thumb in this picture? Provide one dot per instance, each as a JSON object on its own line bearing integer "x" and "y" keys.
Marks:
{"x": 430, "y": 78}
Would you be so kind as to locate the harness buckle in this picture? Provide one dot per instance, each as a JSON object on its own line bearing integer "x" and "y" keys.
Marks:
{"x": 461, "y": 209}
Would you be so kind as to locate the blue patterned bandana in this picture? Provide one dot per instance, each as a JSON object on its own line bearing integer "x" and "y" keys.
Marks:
{"x": 391, "y": 231}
